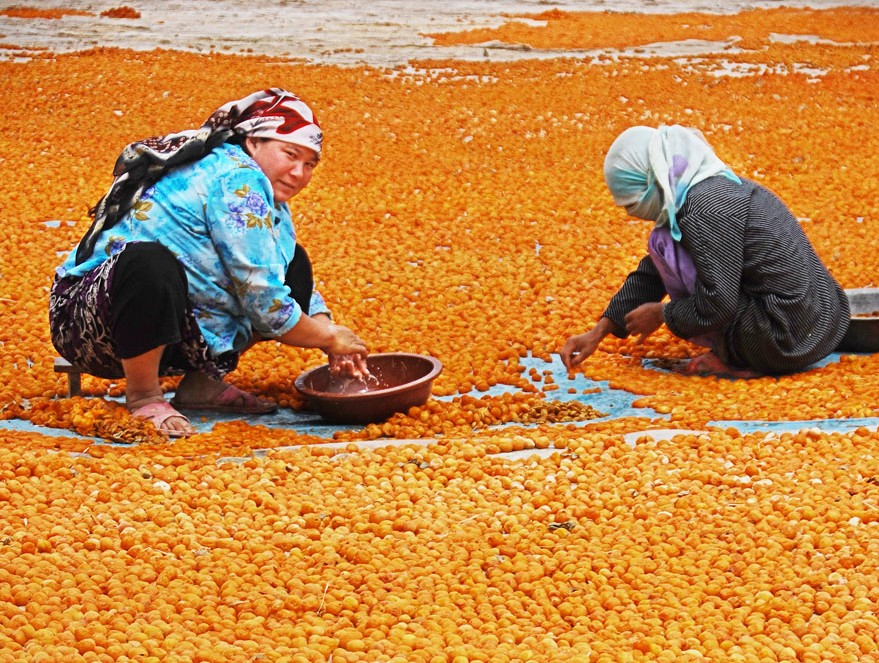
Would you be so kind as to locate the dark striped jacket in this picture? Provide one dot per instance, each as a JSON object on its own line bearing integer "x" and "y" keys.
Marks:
{"x": 760, "y": 283}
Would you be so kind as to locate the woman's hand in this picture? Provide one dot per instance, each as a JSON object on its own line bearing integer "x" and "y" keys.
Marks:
{"x": 349, "y": 366}
{"x": 645, "y": 319}
{"x": 578, "y": 348}
{"x": 334, "y": 340}
{"x": 349, "y": 363}
{"x": 348, "y": 358}
{"x": 343, "y": 341}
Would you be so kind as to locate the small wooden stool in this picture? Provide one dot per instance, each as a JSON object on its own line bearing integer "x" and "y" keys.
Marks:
{"x": 74, "y": 376}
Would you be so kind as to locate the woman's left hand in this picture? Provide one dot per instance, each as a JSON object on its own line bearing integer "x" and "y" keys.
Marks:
{"x": 645, "y": 319}
{"x": 349, "y": 366}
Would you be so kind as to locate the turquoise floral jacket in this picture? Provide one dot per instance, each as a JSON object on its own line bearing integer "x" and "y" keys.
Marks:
{"x": 218, "y": 217}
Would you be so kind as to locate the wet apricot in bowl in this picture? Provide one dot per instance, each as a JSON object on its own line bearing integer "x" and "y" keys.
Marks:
{"x": 399, "y": 381}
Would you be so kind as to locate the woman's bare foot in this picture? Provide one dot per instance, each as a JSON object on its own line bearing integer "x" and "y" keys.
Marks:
{"x": 710, "y": 364}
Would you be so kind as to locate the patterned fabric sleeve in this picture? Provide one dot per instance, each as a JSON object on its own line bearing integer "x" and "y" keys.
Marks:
{"x": 318, "y": 305}
{"x": 246, "y": 235}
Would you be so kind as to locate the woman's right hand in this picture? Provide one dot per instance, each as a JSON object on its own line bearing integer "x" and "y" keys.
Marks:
{"x": 578, "y": 348}
{"x": 347, "y": 356}
{"x": 320, "y": 332}
{"x": 344, "y": 342}
{"x": 581, "y": 346}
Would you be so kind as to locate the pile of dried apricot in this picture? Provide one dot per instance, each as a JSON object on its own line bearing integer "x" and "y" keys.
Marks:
{"x": 459, "y": 211}
{"x": 715, "y": 546}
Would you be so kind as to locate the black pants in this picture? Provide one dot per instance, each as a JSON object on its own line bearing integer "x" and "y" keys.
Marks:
{"x": 300, "y": 278}
{"x": 148, "y": 299}
{"x": 149, "y": 296}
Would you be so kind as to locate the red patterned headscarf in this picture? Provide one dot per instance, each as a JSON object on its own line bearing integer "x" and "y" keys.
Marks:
{"x": 271, "y": 113}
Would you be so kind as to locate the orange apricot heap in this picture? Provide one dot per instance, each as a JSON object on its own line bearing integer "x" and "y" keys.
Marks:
{"x": 511, "y": 259}
{"x": 454, "y": 216}
{"x": 90, "y": 418}
{"x": 748, "y": 29}
{"x": 467, "y": 414}
{"x": 716, "y": 546}
{"x": 121, "y": 12}
{"x": 34, "y": 12}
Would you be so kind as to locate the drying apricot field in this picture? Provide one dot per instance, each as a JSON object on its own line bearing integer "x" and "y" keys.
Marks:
{"x": 459, "y": 211}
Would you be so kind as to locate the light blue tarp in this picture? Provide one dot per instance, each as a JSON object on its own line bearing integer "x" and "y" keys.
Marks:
{"x": 616, "y": 403}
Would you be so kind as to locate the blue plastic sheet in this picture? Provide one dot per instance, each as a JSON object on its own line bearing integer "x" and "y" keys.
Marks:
{"x": 615, "y": 403}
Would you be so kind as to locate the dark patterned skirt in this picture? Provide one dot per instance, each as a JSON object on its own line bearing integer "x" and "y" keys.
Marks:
{"x": 80, "y": 311}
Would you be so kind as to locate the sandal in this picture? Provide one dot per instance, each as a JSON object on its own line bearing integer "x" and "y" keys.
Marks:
{"x": 231, "y": 400}
{"x": 158, "y": 413}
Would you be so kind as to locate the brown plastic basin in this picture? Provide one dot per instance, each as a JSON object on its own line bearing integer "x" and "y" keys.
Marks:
{"x": 401, "y": 381}
{"x": 863, "y": 329}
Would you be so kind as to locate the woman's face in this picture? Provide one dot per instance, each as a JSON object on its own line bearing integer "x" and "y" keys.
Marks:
{"x": 289, "y": 167}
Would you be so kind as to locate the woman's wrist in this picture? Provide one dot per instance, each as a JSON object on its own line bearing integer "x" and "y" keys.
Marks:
{"x": 605, "y": 326}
